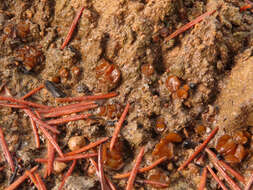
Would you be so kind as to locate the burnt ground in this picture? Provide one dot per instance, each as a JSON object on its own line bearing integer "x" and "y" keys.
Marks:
{"x": 214, "y": 58}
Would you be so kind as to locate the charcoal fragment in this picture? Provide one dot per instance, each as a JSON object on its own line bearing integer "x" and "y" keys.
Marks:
{"x": 55, "y": 91}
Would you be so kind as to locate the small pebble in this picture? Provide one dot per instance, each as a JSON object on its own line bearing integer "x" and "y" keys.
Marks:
{"x": 59, "y": 166}
{"x": 76, "y": 143}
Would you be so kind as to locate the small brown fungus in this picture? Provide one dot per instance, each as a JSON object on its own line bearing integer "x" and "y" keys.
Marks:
{"x": 76, "y": 143}
{"x": 160, "y": 124}
{"x": 113, "y": 159}
{"x": 173, "y": 83}
{"x": 108, "y": 75}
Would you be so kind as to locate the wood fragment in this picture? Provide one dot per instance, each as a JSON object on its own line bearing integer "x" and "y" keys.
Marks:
{"x": 134, "y": 171}
{"x": 6, "y": 151}
{"x": 72, "y": 28}
{"x": 87, "y": 147}
{"x": 214, "y": 160}
{"x": 189, "y": 25}
{"x": 32, "y": 92}
{"x": 69, "y": 111}
{"x": 69, "y": 172}
{"x": 202, "y": 184}
{"x": 199, "y": 149}
{"x": 118, "y": 127}
{"x": 216, "y": 178}
{"x": 141, "y": 170}
{"x": 20, "y": 180}
{"x": 85, "y": 98}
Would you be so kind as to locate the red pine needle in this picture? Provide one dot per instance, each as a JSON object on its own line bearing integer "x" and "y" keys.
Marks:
{"x": 246, "y": 7}
{"x": 87, "y": 147}
{"x": 216, "y": 178}
{"x": 68, "y": 158}
{"x": 72, "y": 28}
{"x": 20, "y": 180}
{"x": 232, "y": 171}
{"x": 51, "y": 157}
{"x": 214, "y": 160}
{"x": 40, "y": 182}
{"x": 68, "y": 119}
{"x": 249, "y": 183}
{"x": 118, "y": 127}
{"x": 85, "y": 98}
{"x": 134, "y": 171}
{"x": 69, "y": 172}
{"x": 59, "y": 108}
{"x": 24, "y": 102}
{"x": 36, "y": 135}
{"x": 12, "y": 105}
{"x": 199, "y": 149}
{"x": 33, "y": 179}
{"x": 157, "y": 184}
{"x": 189, "y": 25}
{"x": 97, "y": 172}
{"x": 32, "y": 92}
{"x": 69, "y": 111}
{"x": 6, "y": 151}
{"x": 141, "y": 170}
{"x": 40, "y": 122}
{"x": 203, "y": 180}
{"x": 101, "y": 174}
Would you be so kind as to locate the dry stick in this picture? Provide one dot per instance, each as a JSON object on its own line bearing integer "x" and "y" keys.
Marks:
{"x": 199, "y": 149}
{"x": 249, "y": 183}
{"x": 20, "y": 180}
{"x": 35, "y": 131}
{"x": 24, "y": 102}
{"x": 12, "y": 105}
{"x": 216, "y": 178}
{"x": 155, "y": 183}
{"x": 68, "y": 119}
{"x": 203, "y": 180}
{"x": 68, "y": 158}
{"x": 69, "y": 111}
{"x": 214, "y": 160}
{"x": 232, "y": 171}
{"x": 40, "y": 122}
{"x": 72, "y": 28}
{"x": 189, "y": 25}
{"x": 97, "y": 172}
{"x": 141, "y": 170}
{"x": 134, "y": 171}
{"x": 118, "y": 127}
{"x": 87, "y": 147}
{"x": 85, "y": 98}
{"x": 59, "y": 108}
{"x": 69, "y": 172}
{"x": 32, "y": 92}
{"x": 6, "y": 151}
{"x": 40, "y": 182}
{"x": 33, "y": 179}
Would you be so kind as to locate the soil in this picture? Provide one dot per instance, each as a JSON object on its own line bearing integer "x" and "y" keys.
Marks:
{"x": 214, "y": 58}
